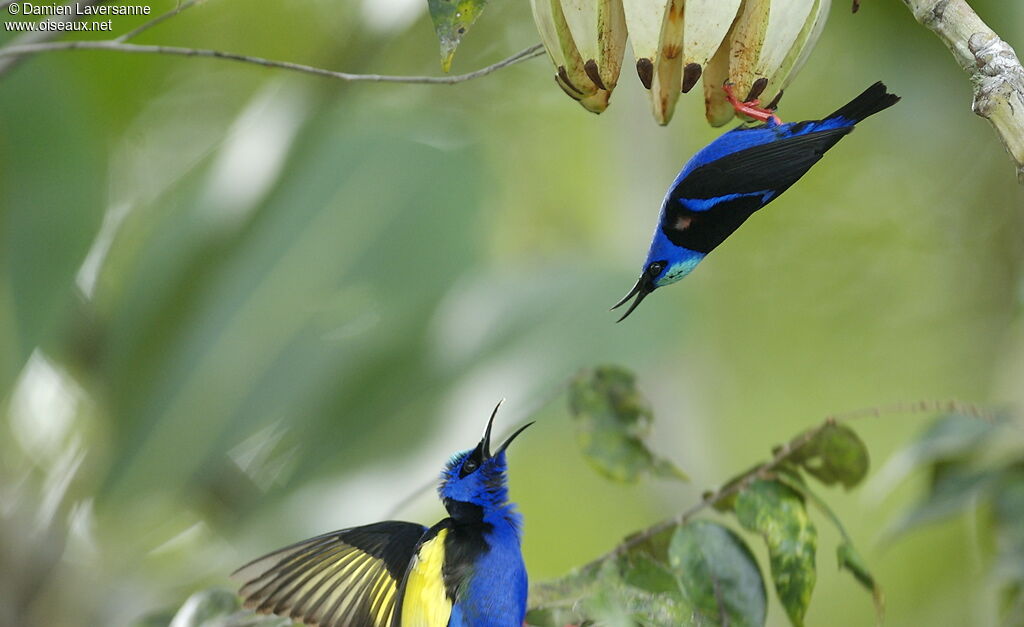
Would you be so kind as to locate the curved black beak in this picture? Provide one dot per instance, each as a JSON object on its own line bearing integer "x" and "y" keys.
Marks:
{"x": 504, "y": 445}
{"x": 644, "y": 286}
{"x": 485, "y": 444}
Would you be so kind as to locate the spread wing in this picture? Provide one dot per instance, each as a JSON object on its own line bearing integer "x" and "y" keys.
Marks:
{"x": 424, "y": 593}
{"x": 773, "y": 166}
{"x": 346, "y": 578}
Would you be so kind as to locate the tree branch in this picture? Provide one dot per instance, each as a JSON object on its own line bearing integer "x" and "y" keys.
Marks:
{"x": 781, "y": 455}
{"x": 114, "y": 45}
{"x": 990, "y": 62}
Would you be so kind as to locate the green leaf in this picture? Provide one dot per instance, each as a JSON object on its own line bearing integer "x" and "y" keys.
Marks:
{"x": 557, "y": 602}
{"x": 640, "y": 570}
{"x": 835, "y": 455}
{"x": 949, "y": 437}
{"x": 718, "y": 574}
{"x": 1008, "y": 512}
{"x": 634, "y": 589}
{"x": 452, "y": 18}
{"x": 850, "y": 559}
{"x": 848, "y": 556}
{"x": 618, "y": 600}
{"x": 777, "y": 513}
{"x": 612, "y": 420}
{"x": 953, "y": 491}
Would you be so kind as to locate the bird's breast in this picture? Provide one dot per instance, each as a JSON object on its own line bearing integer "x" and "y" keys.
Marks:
{"x": 495, "y": 593}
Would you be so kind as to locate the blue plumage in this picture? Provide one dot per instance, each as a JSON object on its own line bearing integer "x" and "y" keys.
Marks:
{"x": 734, "y": 176}
{"x": 465, "y": 571}
{"x": 474, "y": 490}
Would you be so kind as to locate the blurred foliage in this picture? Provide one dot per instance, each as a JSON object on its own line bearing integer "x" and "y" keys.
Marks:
{"x": 612, "y": 422}
{"x": 716, "y": 574}
{"x": 212, "y": 608}
{"x": 240, "y": 307}
{"x": 975, "y": 466}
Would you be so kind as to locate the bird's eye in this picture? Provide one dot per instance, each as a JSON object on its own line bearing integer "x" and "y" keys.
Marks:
{"x": 655, "y": 268}
{"x": 469, "y": 466}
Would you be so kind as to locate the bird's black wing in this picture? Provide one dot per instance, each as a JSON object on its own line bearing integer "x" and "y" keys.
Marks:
{"x": 767, "y": 167}
{"x": 344, "y": 578}
{"x": 714, "y": 199}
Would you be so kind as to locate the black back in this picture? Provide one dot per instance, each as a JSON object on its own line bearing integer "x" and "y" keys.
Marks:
{"x": 757, "y": 174}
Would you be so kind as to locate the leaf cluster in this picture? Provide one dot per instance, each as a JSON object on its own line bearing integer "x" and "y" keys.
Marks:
{"x": 701, "y": 571}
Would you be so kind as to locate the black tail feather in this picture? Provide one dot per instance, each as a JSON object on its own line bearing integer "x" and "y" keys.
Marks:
{"x": 873, "y": 100}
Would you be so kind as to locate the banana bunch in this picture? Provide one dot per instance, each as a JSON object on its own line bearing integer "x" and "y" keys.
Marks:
{"x": 757, "y": 45}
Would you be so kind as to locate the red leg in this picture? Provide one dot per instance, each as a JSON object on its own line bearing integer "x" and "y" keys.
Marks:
{"x": 749, "y": 108}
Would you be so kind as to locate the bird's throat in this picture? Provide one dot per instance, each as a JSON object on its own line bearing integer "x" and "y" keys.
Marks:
{"x": 463, "y": 512}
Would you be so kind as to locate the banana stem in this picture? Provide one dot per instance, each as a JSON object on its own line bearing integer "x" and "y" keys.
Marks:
{"x": 993, "y": 67}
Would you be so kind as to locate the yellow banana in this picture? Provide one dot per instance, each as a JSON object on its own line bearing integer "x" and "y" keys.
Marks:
{"x": 643, "y": 23}
{"x": 758, "y": 45}
{"x": 786, "y": 20}
{"x": 668, "y": 64}
{"x": 748, "y": 35}
{"x": 800, "y": 50}
{"x": 599, "y": 29}
{"x": 706, "y": 25}
{"x": 570, "y": 73}
{"x": 717, "y": 109}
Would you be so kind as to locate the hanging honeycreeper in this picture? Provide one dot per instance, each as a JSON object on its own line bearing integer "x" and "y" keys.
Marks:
{"x": 466, "y": 570}
{"x": 734, "y": 176}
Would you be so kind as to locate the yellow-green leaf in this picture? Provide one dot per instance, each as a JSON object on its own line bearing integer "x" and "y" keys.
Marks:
{"x": 777, "y": 513}
{"x": 612, "y": 421}
{"x": 848, "y": 556}
{"x": 452, "y": 18}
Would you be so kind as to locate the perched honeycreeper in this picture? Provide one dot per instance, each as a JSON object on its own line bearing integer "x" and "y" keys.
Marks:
{"x": 734, "y": 176}
{"x": 465, "y": 571}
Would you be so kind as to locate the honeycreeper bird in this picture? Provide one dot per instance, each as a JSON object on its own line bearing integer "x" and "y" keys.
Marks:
{"x": 734, "y": 176}
{"x": 466, "y": 570}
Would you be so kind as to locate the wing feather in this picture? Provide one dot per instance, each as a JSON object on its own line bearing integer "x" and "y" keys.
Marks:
{"x": 765, "y": 167}
{"x": 425, "y": 601}
{"x": 344, "y": 578}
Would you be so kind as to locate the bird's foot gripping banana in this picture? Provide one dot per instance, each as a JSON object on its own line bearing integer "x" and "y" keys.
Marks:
{"x": 751, "y": 107}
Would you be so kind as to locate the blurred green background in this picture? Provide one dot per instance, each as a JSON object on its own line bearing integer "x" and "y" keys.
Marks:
{"x": 239, "y": 307}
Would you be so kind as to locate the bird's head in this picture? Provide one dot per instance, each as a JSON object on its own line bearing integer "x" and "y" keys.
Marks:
{"x": 475, "y": 478}
{"x": 666, "y": 263}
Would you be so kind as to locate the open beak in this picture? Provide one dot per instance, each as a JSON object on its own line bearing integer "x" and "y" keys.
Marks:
{"x": 485, "y": 443}
{"x": 504, "y": 445}
{"x": 644, "y": 286}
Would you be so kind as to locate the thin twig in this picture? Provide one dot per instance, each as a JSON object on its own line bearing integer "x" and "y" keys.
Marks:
{"x": 406, "y": 500}
{"x": 116, "y": 46}
{"x": 156, "y": 20}
{"x": 995, "y": 70}
{"x": 783, "y": 454}
{"x": 39, "y": 36}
